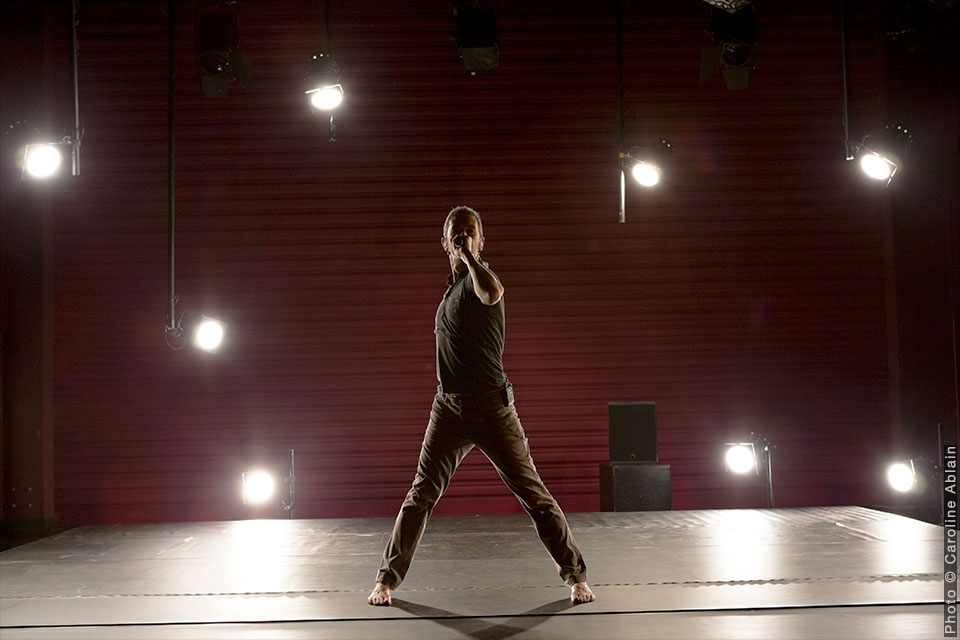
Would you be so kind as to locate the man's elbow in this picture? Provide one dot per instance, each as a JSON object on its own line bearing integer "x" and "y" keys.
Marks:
{"x": 492, "y": 297}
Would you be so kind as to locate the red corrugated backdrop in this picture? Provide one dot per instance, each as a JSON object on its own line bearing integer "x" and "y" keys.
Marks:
{"x": 746, "y": 294}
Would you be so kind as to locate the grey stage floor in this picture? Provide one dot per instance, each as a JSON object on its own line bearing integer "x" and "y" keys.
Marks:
{"x": 830, "y": 572}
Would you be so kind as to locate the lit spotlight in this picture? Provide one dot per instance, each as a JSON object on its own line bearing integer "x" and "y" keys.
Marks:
{"x": 913, "y": 476}
{"x": 326, "y": 98}
{"x": 648, "y": 162}
{"x": 754, "y": 453}
{"x": 42, "y": 161}
{"x": 198, "y": 330}
{"x": 877, "y": 167}
{"x": 268, "y": 490}
{"x": 646, "y": 173}
{"x": 741, "y": 458}
{"x": 881, "y": 156}
{"x": 208, "y": 334}
{"x": 258, "y": 487}
{"x": 324, "y": 89}
{"x": 901, "y": 477}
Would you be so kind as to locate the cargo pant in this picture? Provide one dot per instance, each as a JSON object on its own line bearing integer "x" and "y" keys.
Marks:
{"x": 458, "y": 422}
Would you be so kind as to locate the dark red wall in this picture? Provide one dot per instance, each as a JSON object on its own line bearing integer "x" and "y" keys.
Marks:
{"x": 755, "y": 291}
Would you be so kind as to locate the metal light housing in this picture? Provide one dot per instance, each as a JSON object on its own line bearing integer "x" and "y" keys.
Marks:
{"x": 324, "y": 90}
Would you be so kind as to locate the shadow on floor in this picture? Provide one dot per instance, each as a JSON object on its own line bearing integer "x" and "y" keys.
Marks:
{"x": 480, "y": 628}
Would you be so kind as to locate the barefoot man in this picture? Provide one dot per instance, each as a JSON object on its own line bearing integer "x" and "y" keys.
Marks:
{"x": 474, "y": 407}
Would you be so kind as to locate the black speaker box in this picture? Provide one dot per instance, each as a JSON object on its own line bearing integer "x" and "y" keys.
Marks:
{"x": 635, "y": 486}
{"x": 633, "y": 431}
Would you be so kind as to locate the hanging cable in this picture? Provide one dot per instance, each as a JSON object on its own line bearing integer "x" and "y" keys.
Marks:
{"x": 173, "y": 329}
{"x": 75, "y": 48}
{"x": 623, "y": 184}
{"x": 846, "y": 73}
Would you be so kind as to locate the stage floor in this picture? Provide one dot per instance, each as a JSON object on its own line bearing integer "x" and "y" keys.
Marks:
{"x": 834, "y": 572}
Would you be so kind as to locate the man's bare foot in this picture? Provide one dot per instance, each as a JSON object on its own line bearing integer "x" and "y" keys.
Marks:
{"x": 380, "y": 596}
{"x": 580, "y": 592}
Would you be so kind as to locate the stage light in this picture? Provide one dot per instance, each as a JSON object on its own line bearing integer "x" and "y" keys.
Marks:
{"x": 919, "y": 477}
{"x": 741, "y": 458}
{"x": 901, "y": 477}
{"x": 913, "y": 476}
{"x": 42, "y": 161}
{"x": 881, "y": 156}
{"x": 647, "y": 174}
{"x": 324, "y": 91}
{"x": 36, "y": 155}
{"x": 208, "y": 334}
{"x": 204, "y": 333}
{"x": 728, "y": 5}
{"x": 744, "y": 457}
{"x": 477, "y": 38}
{"x": 647, "y": 162}
{"x": 326, "y": 98}
{"x": 323, "y": 83}
{"x": 734, "y": 31}
{"x": 220, "y": 63}
{"x": 876, "y": 167}
{"x": 258, "y": 487}
{"x": 216, "y": 31}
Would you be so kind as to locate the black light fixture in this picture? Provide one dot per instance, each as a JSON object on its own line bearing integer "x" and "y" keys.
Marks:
{"x": 752, "y": 454}
{"x": 911, "y": 476}
{"x": 323, "y": 83}
{"x": 914, "y": 480}
{"x": 220, "y": 62}
{"x": 260, "y": 492}
{"x": 477, "y": 38}
{"x": 44, "y": 160}
{"x": 880, "y": 155}
{"x": 731, "y": 6}
{"x": 41, "y": 155}
{"x": 198, "y": 330}
{"x": 916, "y": 477}
{"x": 648, "y": 163}
{"x": 203, "y": 332}
{"x": 323, "y": 88}
{"x": 733, "y": 26}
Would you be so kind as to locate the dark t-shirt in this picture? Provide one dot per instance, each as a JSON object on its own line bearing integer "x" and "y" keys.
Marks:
{"x": 469, "y": 340}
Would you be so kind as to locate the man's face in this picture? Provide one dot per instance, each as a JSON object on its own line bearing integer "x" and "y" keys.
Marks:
{"x": 463, "y": 225}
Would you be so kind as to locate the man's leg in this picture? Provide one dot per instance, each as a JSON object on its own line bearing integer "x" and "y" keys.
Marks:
{"x": 507, "y": 448}
{"x": 443, "y": 449}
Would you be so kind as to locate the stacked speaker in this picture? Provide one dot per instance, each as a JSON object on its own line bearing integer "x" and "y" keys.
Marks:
{"x": 634, "y": 480}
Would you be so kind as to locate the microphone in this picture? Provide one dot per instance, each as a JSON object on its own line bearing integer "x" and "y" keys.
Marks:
{"x": 459, "y": 240}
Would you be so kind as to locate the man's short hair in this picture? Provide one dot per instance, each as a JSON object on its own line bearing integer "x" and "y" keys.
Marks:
{"x": 460, "y": 210}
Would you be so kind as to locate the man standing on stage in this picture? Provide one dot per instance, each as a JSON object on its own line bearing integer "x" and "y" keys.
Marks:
{"x": 474, "y": 407}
